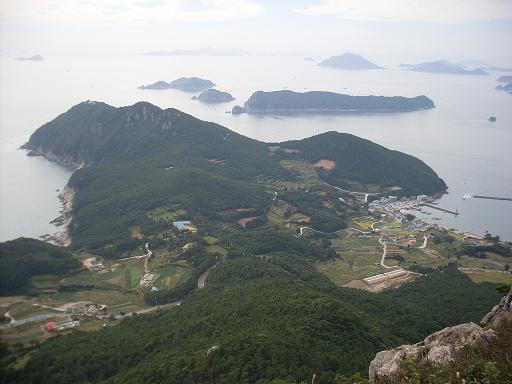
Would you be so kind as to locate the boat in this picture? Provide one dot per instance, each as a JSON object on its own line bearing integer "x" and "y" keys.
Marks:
{"x": 492, "y": 118}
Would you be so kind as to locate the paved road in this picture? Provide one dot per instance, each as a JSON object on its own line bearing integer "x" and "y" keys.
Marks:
{"x": 15, "y": 323}
{"x": 324, "y": 233}
{"x": 201, "y": 282}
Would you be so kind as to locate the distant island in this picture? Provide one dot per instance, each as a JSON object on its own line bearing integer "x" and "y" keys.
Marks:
{"x": 505, "y": 79}
{"x": 31, "y": 58}
{"x": 498, "y": 69}
{"x": 319, "y": 102}
{"x": 507, "y": 88}
{"x": 443, "y": 66}
{"x": 309, "y": 59}
{"x": 189, "y": 84}
{"x": 202, "y": 51}
{"x": 348, "y": 61}
{"x": 214, "y": 96}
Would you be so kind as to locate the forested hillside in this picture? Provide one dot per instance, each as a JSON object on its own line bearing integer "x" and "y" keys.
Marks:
{"x": 364, "y": 162}
{"x": 255, "y": 322}
{"x": 21, "y": 259}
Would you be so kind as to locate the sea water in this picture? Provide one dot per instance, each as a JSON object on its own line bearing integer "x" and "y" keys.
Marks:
{"x": 470, "y": 153}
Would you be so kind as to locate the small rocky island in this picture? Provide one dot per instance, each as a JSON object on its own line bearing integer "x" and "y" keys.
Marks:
{"x": 505, "y": 79}
{"x": 348, "y": 61}
{"x": 328, "y": 102}
{"x": 443, "y": 66}
{"x": 507, "y": 86}
{"x": 31, "y": 58}
{"x": 214, "y": 96}
{"x": 188, "y": 84}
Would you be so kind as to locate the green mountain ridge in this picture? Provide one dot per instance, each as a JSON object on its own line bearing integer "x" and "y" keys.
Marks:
{"x": 138, "y": 158}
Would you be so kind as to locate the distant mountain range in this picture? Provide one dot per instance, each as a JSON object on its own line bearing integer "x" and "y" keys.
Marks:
{"x": 320, "y": 102}
{"x": 31, "y": 58}
{"x": 348, "y": 61}
{"x": 443, "y": 66}
{"x": 203, "y": 51}
{"x": 190, "y": 84}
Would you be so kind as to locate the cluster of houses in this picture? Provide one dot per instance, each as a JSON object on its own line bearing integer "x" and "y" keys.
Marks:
{"x": 85, "y": 308}
{"x": 403, "y": 240}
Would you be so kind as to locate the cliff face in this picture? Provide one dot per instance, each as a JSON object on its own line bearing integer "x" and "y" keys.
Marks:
{"x": 443, "y": 347}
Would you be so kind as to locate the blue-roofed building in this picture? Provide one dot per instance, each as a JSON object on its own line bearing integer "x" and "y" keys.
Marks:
{"x": 181, "y": 225}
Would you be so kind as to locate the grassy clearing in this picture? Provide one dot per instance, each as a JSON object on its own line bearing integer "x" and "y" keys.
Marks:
{"x": 23, "y": 309}
{"x": 211, "y": 239}
{"x": 109, "y": 297}
{"x": 364, "y": 224}
{"x": 359, "y": 258}
{"x": 342, "y": 271}
{"x": 167, "y": 215}
{"x": 472, "y": 262}
{"x": 217, "y": 249}
{"x": 46, "y": 282}
{"x": 170, "y": 275}
{"x": 490, "y": 277}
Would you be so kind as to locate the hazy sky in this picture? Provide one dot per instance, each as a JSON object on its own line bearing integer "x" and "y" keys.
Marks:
{"x": 392, "y": 31}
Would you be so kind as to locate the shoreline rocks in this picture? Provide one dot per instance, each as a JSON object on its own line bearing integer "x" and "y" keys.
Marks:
{"x": 63, "y": 237}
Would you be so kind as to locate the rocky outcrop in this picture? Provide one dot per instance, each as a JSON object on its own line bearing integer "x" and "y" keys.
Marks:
{"x": 441, "y": 347}
{"x": 499, "y": 312}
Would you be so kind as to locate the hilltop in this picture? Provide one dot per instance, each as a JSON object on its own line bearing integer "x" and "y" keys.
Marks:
{"x": 348, "y": 61}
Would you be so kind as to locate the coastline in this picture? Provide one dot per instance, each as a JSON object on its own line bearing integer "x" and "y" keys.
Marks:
{"x": 62, "y": 237}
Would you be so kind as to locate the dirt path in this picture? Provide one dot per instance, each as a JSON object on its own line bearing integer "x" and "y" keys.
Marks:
{"x": 424, "y": 245}
{"x": 384, "y": 251}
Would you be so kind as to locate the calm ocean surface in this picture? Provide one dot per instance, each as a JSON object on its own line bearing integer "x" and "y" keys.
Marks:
{"x": 471, "y": 154}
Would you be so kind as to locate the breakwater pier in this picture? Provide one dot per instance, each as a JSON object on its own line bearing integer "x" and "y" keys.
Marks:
{"x": 441, "y": 209}
{"x": 492, "y": 197}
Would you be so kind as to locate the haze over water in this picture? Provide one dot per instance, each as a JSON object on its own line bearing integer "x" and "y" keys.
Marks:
{"x": 471, "y": 154}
